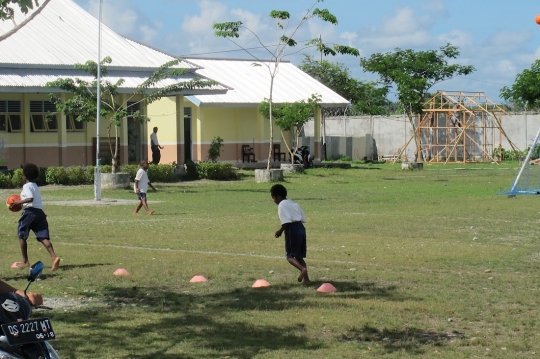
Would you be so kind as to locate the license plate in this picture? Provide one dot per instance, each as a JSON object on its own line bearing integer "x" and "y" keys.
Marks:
{"x": 29, "y": 331}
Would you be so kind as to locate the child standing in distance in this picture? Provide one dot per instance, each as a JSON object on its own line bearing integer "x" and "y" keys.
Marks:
{"x": 141, "y": 187}
{"x": 33, "y": 218}
{"x": 292, "y": 218}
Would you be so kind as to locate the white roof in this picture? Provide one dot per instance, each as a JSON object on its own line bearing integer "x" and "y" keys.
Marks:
{"x": 251, "y": 84}
{"x": 44, "y": 44}
{"x": 59, "y": 32}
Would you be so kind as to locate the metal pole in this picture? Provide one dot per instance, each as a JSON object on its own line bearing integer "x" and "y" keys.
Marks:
{"x": 97, "y": 169}
{"x": 525, "y": 162}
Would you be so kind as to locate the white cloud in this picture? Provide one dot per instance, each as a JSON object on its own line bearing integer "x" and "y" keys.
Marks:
{"x": 436, "y": 6}
{"x": 123, "y": 17}
{"x": 506, "y": 39}
{"x": 457, "y": 38}
{"x": 405, "y": 21}
{"x": 211, "y": 11}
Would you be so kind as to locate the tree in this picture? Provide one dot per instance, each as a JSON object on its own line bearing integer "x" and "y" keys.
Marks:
{"x": 291, "y": 116}
{"x": 6, "y": 7}
{"x": 413, "y": 73}
{"x": 526, "y": 90}
{"x": 83, "y": 102}
{"x": 365, "y": 96}
{"x": 231, "y": 31}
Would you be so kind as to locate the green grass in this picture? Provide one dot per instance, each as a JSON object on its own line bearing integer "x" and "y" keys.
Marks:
{"x": 427, "y": 264}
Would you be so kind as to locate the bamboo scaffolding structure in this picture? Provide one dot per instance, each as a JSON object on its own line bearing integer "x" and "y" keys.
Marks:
{"x": 459, "y": 127}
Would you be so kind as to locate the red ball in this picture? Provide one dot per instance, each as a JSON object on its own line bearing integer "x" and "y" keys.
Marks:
{"x": 538, "y": 19}
{"x": 10, "y": 200}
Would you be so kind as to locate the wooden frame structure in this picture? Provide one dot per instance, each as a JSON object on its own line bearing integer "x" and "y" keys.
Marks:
{"x": 459, "y": 127}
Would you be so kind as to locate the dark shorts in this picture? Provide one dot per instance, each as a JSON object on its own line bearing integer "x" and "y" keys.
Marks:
{"x": 295, "y": 240}
{"x": 33, "y": 219}
{"x": 141, "y": 196}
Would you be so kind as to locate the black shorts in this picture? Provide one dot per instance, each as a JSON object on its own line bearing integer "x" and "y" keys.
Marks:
{"x": 141, "y": 196}
{"x": 295, "y": 240}
{"x": 33, "y": 219}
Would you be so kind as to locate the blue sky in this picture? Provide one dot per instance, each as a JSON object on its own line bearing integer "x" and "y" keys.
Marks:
{"x": 500, "y": 38}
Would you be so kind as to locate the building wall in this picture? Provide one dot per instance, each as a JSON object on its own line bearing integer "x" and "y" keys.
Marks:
{"x": 390, "y": 133}
{"x": 236, "y": 126}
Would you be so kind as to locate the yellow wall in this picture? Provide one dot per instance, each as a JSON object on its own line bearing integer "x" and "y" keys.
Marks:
{"x": 237, "y": 126}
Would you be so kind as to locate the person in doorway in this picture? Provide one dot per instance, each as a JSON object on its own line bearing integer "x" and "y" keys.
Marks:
{"x": 292, "y": 220}
{"x": 32, "y": 217}
{"x": 155, "y": 147}
{"x": 141, "y": 187}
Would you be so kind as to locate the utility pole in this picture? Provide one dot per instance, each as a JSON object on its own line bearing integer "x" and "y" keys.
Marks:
{"x": 322, "y": 110}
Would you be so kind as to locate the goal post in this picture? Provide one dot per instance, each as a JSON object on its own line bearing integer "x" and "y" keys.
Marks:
{"x": 528, "y": 178}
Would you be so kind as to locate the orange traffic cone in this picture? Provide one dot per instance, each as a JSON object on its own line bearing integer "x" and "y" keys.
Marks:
{"x": 198, "y": 279}
{"x": 260, "y": 283}
{"x": 326, "y": 288}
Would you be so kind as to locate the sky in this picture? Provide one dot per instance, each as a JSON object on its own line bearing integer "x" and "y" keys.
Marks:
{"x": 499, "y": 38}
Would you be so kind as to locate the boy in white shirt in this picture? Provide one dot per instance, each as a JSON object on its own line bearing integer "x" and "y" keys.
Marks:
{"x": 141, "y": 187}
{"x": 292, "y": 218}
{"x": 33, "y": 218}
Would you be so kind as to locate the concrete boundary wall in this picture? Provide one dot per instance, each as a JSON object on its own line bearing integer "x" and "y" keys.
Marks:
{"x": 362, "y": 136}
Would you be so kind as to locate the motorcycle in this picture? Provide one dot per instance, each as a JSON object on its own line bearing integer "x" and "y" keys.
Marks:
{"x": 302, "y": 157}
{"x": 21, "y": 337}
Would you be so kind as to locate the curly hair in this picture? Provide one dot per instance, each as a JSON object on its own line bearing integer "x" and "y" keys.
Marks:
{"x": 31, "y": 172}
{"x": 278, "y": 190}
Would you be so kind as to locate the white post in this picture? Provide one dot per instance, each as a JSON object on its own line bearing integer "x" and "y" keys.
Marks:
{"x": 97, "y": 169}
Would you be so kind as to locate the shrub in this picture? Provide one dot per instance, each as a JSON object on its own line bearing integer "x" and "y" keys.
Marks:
{"x": 216, "y": 171}
{"x": 89, "y": 174}
{"x": 161, "y": 173}
{"x": 76, "y": 175}
{"x": 56, "y": 175}
{"x": 16, "y": 179}
{"x": 5, "y": 180}
{"x": 215, "y": 148}
{"x": 132, "y": 170}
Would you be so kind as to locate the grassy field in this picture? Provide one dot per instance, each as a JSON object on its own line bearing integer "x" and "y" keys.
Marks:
{"x": 427, "y": 264}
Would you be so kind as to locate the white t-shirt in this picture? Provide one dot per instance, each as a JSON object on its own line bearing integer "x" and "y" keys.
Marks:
{"x": 289, "y": 211}
{"x": 153, "y": 139}
{"x": 31, "y": 190}
{"x": 142, "y": 177}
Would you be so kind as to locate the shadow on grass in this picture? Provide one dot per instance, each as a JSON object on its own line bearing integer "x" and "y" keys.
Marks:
{"x": 366, "y": 290}
{"x": 67, "y": 267}
{"x": 169, "y": 318}
{"x": 150, "y": 322}
{"x": 411, "y": 340}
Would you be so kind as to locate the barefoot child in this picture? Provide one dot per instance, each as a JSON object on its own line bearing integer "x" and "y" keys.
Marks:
{"x": 33, "y": 218}
{"x": 141, "y": 187}
{"x": 291, "y": 217}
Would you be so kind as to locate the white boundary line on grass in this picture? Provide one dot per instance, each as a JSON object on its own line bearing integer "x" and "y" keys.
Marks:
{"x": 203, "y": 252}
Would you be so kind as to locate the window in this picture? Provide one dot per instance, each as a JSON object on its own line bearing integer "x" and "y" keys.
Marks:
{"x": 10, "y": 116}
{"x": 41, "y": 117}
{"x": 73, "y": 125}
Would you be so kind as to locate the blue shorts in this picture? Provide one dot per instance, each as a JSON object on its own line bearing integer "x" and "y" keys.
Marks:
{"x": 141, "y": 196}
{"x": 295, "y": 240}
{"x": 33, "y": 219}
